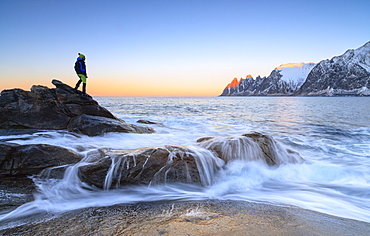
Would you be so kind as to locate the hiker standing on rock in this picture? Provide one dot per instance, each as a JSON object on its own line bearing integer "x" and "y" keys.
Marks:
{"x": 80, "y": 68}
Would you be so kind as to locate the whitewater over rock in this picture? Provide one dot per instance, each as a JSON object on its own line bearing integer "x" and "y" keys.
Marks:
{"x": 345, "y": 75}
{"x": 251, "y": 147}
{"x": 149, "y": 166}
{"x": 114, "y": 168}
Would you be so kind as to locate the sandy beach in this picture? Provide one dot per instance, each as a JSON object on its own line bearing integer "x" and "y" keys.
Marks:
{"x": 191, "y": 218}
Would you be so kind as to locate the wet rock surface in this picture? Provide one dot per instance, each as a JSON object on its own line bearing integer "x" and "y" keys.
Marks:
{"x": 95, "y": 125}
{"x": 147, "y": 122}
{"x": 23, "y": 160}
{"x": 15, "y": 191}
{"x": 143, "y": 166}
{"x": 189, "y": 218}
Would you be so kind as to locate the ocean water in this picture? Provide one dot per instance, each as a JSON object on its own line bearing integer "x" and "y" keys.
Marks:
{"x": 332, "y": 134}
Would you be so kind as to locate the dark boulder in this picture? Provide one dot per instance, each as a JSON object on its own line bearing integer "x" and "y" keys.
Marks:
{"x": 31, "y": 159}
{"x": 44, "y": 108}
{"x": 29, "y": 110}
{"x": 147, "y": 122}
{"x": 77, "y": 103}
{"x": 96, "y": 125}
{"x": 6, "y": 151}
{"x": 145, "y": 166}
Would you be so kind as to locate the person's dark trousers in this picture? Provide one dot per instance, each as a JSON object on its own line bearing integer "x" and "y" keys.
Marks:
{"x": 78, "y": 84}
{"x": 83, "y": 86}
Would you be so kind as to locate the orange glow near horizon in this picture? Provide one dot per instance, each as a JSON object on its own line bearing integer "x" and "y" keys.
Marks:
{"x": 292, "y": 65}
{"x": 125, "y": 93}
{"x": 129, "y": 89}
{"x": 137, "y": 89}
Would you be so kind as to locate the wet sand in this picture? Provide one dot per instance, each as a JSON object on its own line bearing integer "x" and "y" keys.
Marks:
{"x": 191, "y": 218}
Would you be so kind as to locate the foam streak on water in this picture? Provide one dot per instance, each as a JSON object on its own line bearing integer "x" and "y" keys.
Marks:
{"x": 331, "y": 134}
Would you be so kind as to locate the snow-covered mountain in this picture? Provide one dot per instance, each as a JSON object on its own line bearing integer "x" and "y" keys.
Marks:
{"x": 283, "y": 80}
{"x": 348, "y": 74}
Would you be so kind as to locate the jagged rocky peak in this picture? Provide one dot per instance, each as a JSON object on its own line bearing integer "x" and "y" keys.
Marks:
{"x": 233, "y": 87}
{"x": 235, "y": 83}
{"x": 283, "y": 80}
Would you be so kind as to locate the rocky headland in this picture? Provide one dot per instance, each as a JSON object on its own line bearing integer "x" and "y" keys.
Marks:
{"x": 60, "y": 108}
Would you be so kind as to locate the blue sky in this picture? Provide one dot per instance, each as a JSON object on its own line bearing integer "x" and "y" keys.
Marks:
{"x": 170, "y": 48}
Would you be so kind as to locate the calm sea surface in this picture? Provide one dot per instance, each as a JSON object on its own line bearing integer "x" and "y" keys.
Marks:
{"x": 332, "y": 134}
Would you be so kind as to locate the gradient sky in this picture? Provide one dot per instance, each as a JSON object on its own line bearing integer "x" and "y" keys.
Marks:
{"x": 170, "y": 48}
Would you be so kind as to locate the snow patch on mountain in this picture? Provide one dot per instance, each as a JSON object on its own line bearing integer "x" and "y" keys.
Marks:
{"x": 296, "y": 76}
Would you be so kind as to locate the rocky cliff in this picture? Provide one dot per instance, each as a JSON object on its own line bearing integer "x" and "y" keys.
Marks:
{"x": 348, "y": 74}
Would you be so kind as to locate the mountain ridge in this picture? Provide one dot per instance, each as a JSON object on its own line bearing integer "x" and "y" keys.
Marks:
{"x": 344, "y": 75}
